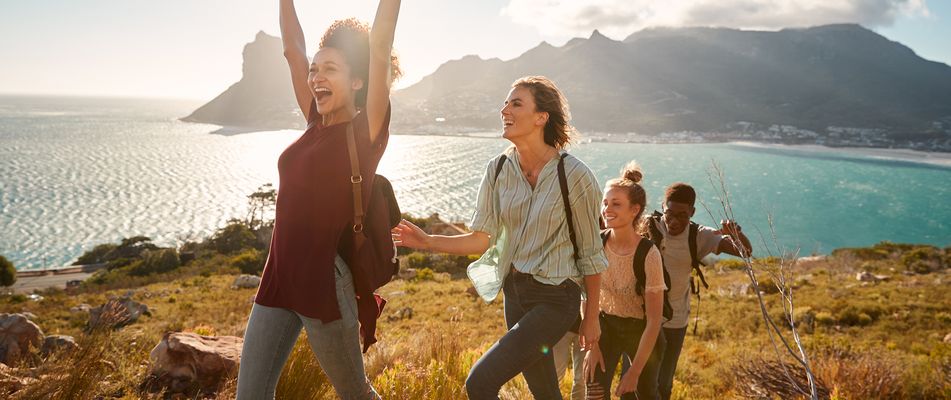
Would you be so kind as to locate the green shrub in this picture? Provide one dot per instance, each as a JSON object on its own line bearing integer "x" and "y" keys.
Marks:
{"x": 233, "y": 238}
{"x": 853, "y": 316}
{"x": 8, "y": 274}
{"x": 425, "y": 274}
{"x": 250, "y": 261}
{"x": 419, "y": 260}
{"x": 825, "y": 318}
{"x": 155, "y": 262}
{"x": 923, "y": 259}
{"x": 97, "y": 254}
{"x": 732, "y": 264}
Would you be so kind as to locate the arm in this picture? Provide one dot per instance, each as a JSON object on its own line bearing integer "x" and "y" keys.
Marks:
{"x": 735, "y": 240}
{"x": 295, "y": 51}
{"x": 654, "y": 305}
{"x": 381, "y": 47}
{"x": 406, "y": 234}
{"x": 590, "y": 324}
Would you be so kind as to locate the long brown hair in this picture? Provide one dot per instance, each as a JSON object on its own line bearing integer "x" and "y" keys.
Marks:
{"x": 630, "y": 181}
{"x": 558, "y": 131}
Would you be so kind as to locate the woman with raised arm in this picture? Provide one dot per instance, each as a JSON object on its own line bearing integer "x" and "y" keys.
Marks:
{"x": 536, "y": 260}
{"x": 632, "y": 296}
{"x": 306, "y": 284}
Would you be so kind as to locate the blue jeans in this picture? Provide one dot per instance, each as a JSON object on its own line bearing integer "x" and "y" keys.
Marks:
{"x": 675, "y": 343}
{"x": 537, "y": 316}
{"x": 272, "y": 333}
{"x": 620, "y": 337}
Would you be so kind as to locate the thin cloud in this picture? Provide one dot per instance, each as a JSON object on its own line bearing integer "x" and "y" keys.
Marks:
{"x": 618, "y": 18}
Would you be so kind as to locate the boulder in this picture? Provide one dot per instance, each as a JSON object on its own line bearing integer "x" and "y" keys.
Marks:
{"x": 403, "y": 313}
{"x": 17, "y": 335}
{"x": 407, "y": 273}
{"x": 189, "y": 363}
{"x": 865, "y": 276}
{"x": 117, "y": 313}
{"x": 246, "y": 282}
{"x": 82, "y": 308}
{"x": 57, "y": 343}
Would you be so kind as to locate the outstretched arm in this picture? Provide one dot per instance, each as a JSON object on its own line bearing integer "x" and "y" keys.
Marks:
{"x": 381, "y": 47}
{"x": 735, "y": 243}
{"x": 406, "y": 234}
{"x": 295, "y": 51}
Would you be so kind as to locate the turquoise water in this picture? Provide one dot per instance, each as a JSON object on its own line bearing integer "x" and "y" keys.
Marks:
{"x": 79, "y": 172}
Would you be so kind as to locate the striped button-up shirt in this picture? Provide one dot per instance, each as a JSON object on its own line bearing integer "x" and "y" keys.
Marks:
{"x": 534, "y": 222}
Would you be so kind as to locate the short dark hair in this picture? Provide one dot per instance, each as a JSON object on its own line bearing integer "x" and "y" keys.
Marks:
{"x": 681, "y": 193}
{"x": 352, "y": 38}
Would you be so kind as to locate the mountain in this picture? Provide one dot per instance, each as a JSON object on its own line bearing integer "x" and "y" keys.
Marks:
{"x": 827, "y": 80}
{"x": 263, "y": 98}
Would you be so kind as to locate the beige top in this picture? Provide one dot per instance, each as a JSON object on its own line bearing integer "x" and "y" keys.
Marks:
{"x": 618, "y": 296}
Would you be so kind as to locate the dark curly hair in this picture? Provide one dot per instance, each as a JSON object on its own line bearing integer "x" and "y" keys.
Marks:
{"x": 352, "y": 37}
{"x": 681, "y": 193}
{"x": 558, "y": 131}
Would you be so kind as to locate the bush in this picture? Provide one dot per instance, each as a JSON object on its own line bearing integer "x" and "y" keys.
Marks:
{"x": 97, "y": 254}
{"x": 155, "y": 262}
{"x": 425, "y": 274}
{"x": 923, "y": 260}
{"x": 8, "y": 274}
{"x": 250, "y": 261}
{"x": 233, "y": 238}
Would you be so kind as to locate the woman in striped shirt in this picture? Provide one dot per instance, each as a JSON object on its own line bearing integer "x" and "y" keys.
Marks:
{"x": 521, "y": 214}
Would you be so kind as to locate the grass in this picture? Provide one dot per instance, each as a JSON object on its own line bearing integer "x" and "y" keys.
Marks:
{"x": 865, "y": 340}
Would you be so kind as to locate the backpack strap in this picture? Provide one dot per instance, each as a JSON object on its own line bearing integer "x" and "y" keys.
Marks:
{"x": 694, "y": 260}
{"x": 498, "y": 167}
{"x": 640, "y": 259}
{"x": 653, "y": 232}
{"x": 356, "y": 180}
{"x": 563, "y": 182}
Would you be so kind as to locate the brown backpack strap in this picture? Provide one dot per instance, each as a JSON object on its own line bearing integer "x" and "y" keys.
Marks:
{"x": 356, "y": 180}
{"x": 563, "y": 182}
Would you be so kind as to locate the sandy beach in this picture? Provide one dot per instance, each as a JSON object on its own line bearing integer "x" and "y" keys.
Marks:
{"x": 915, "y": 156}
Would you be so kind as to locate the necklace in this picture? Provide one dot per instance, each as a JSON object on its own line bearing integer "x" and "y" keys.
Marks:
{"x": 531, "y": 173}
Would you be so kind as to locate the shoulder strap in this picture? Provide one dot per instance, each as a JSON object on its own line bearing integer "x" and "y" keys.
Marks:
{"x": 498, "y": 167}
{"x": 356, "y": 180}
{"x": 640, "y": 258}
{"x": 694, "y": 260}
{"x": 563, "y": 182}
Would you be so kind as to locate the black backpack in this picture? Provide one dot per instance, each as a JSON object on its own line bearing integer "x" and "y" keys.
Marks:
{"x": 372, "y": 258}
{"x": 640, "y": 256}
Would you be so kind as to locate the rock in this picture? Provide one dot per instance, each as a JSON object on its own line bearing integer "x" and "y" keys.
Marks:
{"x": 403, "y": 313}
{"x": 947, "y": 338}
{"x": 116, "y": 313}
{"x": 407, "y": 273}
{"x": 80, "y": 308}
{"x": 865, "y": 276}
{"x": 28, "y": 315}
{"x": 57, "y": 343}
{"x": 246, "y": 282}
{"x": 17, "y": 335}
{"x": 183, "y": 362}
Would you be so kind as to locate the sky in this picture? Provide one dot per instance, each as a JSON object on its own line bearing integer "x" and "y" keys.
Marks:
{"x": 191, "y": 49}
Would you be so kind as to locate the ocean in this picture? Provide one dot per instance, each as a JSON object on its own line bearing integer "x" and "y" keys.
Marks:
{"x": 77, "y": 172}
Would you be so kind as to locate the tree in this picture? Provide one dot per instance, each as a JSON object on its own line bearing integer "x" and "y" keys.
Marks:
{"x": 260, "y": 204}
{"x": 8, "y": 274}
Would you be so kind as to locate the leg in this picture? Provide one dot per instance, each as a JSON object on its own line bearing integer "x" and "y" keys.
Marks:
{"x": 611, "y": 348}
{"x": 674, "y": 338}
{"x": 268, "y": 341}
{"x": 562, "y": 353}
{"x": 647, "y": 383}
{"x": 577, "y": 360}
{"x": 337, "y": 344}
{"x": 538, "y": 316}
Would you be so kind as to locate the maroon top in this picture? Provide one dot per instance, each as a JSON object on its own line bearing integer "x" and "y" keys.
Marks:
{"x": 314, "y": 216}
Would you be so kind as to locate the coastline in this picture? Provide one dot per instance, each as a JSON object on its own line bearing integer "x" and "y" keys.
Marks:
{"x": 937, "y": 159}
